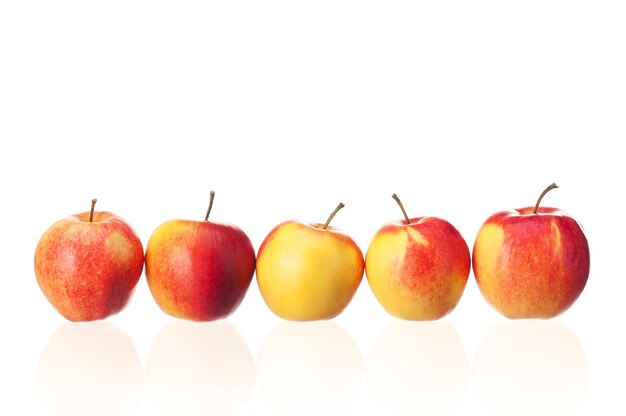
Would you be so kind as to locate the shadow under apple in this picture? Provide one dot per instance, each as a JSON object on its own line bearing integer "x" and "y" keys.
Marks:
{"x": 90, "y": 369}
{"x": 530, "y": 367}
{"x": 200, "y": 368}
{"x": 418, "y": 367}
{"x": 309, "y": 367}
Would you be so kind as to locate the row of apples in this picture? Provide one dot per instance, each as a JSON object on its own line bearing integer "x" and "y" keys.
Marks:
{"x": 529, "y": 263}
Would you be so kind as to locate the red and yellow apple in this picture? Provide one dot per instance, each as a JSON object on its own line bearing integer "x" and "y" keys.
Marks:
{"x": 308, "y": 271}
{"x": 88, "y": 264}
{"x": 417, "y": 267}
{"x": 199, "y": 270}
{"x": 531, "y": 262}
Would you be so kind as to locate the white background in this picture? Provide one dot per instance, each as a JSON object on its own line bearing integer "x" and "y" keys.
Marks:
{"x": 286, "y": 108}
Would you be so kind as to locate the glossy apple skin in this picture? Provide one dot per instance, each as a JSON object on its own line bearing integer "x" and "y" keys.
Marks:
{"x": 199, "y": 270}
{"x": 531, "y": 265}
{"x": 418, "y": 271}
{"x": 88, "y": 270}
{"x": 306, "y": 273}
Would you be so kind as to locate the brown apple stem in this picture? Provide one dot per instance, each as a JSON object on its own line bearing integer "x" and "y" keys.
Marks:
{"x": 406, "y": 217}
{"x": 93, "y": 205}
{"x": 332, "y": 215}
{"x": 545, "y": 191}
{"x": 208, "y": 211}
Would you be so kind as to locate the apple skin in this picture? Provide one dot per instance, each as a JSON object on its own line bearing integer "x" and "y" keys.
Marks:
{"x": 88, "y": 270}
{"x": 531, "y": 265}
{"x": 199, "y": 270}
{"x": 308, "y": 273}
{"x": 418, "y": 271}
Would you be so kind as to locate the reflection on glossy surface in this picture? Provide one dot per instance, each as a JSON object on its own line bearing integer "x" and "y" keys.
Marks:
{"x": 200, "y": 369}
{"x": 90, "y": 369}
{"x": 530, "y": 367}
{"x": 418, "y": 367}
{"x": 309, "y": 368}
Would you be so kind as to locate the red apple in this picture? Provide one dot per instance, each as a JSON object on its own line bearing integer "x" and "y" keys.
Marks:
{"x": 418, "y": 268}
{"x": 88, "y": 264}
{"x": 308, "y": 271}
{"x": 199, "y": 270}
{"x": 531, "y": 262}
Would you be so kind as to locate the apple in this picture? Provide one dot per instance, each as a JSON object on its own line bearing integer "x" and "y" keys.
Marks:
{"x": 199, "y": 270}
{"x": 308, "y": 271}
{"x": 88, "y": 264}
{"x": 531, "y": 262}
{"x": 417, "y": 267}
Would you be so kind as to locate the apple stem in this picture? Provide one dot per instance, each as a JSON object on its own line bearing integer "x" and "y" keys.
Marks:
{"x": 208, "y": 211}
{"x": 545, "y": 191}
{"x": 93, "y": 205}
{"x": 332, "y": 215}
{"x": 406, "y": 217}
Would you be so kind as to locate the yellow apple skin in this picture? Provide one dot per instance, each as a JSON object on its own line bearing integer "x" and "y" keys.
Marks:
{"x": 418, "y": 271}
{"x": 306, "y": 273}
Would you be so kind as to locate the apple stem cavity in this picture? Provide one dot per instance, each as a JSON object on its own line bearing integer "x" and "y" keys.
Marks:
{"x": 545, "y": 191}
{"x": 208, "y": 211}
{"x": 406, "y": 217}
{"x": 93, "y": 205}
{"x": 332, "y": 215}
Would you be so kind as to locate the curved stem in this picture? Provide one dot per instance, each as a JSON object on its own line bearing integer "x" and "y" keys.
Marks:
{"x": 545, "y": 191}
{"x": 93, "y": 205}
{"x": 332, "y": 215}
{"x": 406, "y": 217}
{"x": 208, "y": 211}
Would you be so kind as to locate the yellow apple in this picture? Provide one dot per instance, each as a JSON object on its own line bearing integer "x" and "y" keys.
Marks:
{"x": 308, "y": 271}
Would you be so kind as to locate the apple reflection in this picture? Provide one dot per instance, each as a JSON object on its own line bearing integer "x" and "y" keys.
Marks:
{"x": 90, "y": 369}
{"x": 309, "y": 367}
{"x": 418, "y": 367}
{"x": 530, "y": 367}
{"x": 200, "y": 369}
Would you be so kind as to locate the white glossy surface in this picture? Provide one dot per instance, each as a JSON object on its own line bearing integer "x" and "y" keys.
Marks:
{"x": 286, "y": 108}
